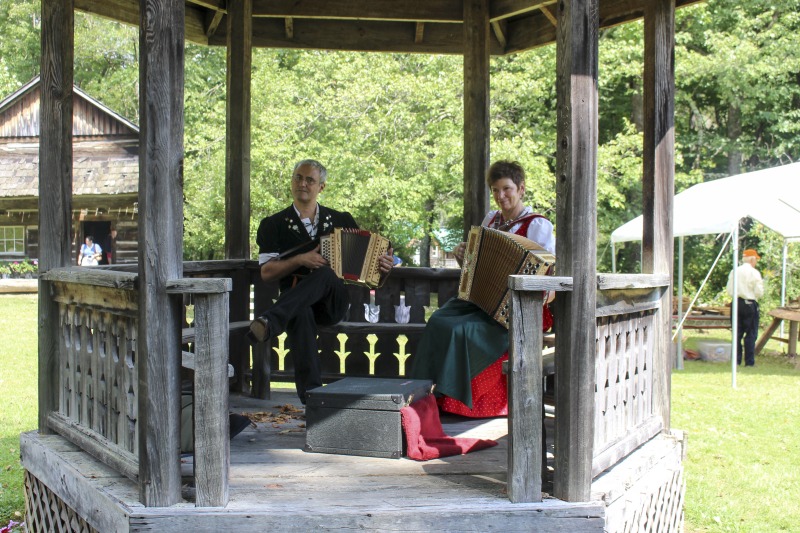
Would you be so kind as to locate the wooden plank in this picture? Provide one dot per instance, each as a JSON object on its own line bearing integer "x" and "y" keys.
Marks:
{"x": 188, "y": 334}
{"x": 502, "y": 9}
{"x": 419, "y": 34}
{"x": 357, "y": 36}
{"x": 211, "y": 427}
{"x": 127, "y": 12}
{"x": 632, "y": 281}
{"x": 101, "y": 448}
{"x": 620, "y": 449}
{"x": 476, "y": 111}
{"x": 658, "y": 187}
{"x": 160, "y": 249}
{"x": 408, "y": 10}
{"x": 96, "y": 277}
{"x": 521, "y": 282}
{"x": 189, "y": 359}
{"x": 576, "y": 218}
{"x": 97, "y": 507}
{"x": 237, "y": 129}
{"x": 55, "y": 184}
{"x": 786, "y": 313}
{"x": 767, "y": 335}
{"x": 198, "y": 285}
{"x": 525, "y": 438}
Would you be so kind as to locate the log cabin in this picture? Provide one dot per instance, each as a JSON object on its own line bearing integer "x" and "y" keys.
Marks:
{"x": 106, "y": 455}
{"x": 105, "y": 177}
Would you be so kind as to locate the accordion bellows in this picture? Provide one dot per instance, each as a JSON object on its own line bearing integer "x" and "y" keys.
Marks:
{"x": 353, "y": 255}
{"x": 490, "y": 257}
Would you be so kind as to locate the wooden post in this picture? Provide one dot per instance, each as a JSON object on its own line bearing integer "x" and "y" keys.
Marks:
{"x": 237, "y": 172}
{"x": 212, "y": 450}
{"x": 476, "y": 111}
{"x": 525, "y": 436}
{"x": 237, "y": 137}
{"x": 55, "y": 185}
{"x": 161, "y": 45}
{"x": 659, "y": 181}
{"x": 576, "y": 220}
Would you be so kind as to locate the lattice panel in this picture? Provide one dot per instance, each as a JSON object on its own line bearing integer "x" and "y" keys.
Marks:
{"x": 47, "y": 513}
{"x": 624, "y": 375}
{"x": 99, "y": 379}
{"x": 661, "y": 509}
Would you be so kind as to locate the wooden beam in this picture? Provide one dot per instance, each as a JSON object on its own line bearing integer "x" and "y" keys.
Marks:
{"x": 576, "y": 219}
{"x": 549, "y": 15}
{"x": 237, "y": 130}
{"x": 658, "y": 186}
{"x": 127, "y": 12}
{"x": 502, "y": 9}
{"x": 420, "y": 32}
{"x": 214, "y": 5}
{"x": 408, "y": 10}
{"x": 55, "y": 185}
{"x": 213, "y": 18}
{"x": 161, "y": 83}
{"x": 357, "y": 36}
{"x": 288, "y": 25}
{"x": 476, "y": 111}
{"x": 500, "y": 28}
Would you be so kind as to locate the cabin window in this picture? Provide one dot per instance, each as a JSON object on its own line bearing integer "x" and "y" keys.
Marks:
{"x": 12, "y": 239}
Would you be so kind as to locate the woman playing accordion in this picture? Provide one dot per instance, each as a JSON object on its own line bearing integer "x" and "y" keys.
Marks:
{"x": 462, "y": 348}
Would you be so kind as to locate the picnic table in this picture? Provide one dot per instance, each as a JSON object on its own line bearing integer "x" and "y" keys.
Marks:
{"x": 779, "y": 314}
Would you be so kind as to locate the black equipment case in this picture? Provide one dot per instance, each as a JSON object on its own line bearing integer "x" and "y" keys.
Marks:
{"x": 360, "y": 416}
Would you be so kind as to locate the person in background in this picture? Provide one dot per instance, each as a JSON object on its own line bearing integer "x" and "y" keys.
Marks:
{"x": 311, "y": 293}
{"x": 462, "y": 348}
{"x": 750, "y": 287}
{"x": 110, "y": 248}
{"x": 90, "y": 253}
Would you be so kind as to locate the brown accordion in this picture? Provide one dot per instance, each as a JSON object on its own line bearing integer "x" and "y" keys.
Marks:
{"x": 353, "y": 255}
{"x": 490, "y": 257}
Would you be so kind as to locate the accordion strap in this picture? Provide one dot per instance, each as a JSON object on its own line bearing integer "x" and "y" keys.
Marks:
{"x": 527, "y": 218}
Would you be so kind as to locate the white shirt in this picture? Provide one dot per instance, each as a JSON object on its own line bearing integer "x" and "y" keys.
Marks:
{"x": 540, "y": 229}
{"x": 749, "y": 284}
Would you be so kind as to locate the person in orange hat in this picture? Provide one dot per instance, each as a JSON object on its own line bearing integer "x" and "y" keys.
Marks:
{"x": 750, "y": 287}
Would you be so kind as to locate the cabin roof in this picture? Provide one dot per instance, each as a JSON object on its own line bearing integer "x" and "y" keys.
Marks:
{"x": 416, "y": 26}
{"x": 105, "y": 147}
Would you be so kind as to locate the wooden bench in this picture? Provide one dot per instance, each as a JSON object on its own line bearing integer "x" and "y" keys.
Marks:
{"x": 357, "y": 347}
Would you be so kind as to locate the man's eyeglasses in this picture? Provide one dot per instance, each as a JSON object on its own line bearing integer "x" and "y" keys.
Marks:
{"x": 309, "y": 181}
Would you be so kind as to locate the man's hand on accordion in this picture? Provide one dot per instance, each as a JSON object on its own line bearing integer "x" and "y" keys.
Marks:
{"x": 386, "y": 261}
{"x": 312, "y": 260}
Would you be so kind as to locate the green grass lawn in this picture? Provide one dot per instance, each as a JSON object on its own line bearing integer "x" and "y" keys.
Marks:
{"x": 18, "y": 341}
{"x": 742, "y": 470}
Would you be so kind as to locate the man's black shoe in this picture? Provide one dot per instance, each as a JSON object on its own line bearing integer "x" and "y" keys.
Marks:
{"x": 259, "y": 328}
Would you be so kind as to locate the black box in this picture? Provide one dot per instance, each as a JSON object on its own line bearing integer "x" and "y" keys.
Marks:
{"x": 360, "y": 416}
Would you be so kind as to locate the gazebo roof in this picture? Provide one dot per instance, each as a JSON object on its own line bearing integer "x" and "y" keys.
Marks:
{"x": 422, "y": 26}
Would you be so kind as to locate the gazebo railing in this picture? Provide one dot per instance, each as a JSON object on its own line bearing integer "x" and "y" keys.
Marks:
{"x": 99, "y": 396}
{"x": 624, "y": 415}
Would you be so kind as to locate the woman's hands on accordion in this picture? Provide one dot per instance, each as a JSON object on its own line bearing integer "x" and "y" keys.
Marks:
{"x": 458, "y": 252}
{"x": 386, "y": 261}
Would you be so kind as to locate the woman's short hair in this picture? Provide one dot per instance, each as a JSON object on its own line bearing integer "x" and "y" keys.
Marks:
{"x": 323, "y": 172}
{"x": 505, "y": 169}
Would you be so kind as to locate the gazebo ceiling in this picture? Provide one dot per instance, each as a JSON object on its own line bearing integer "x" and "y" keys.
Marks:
{"x": 423, "y": 26}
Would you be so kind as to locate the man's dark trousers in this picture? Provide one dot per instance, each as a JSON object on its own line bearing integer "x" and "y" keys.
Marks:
{"x": 320, "y": 298}
{"x": 747, "y": 329}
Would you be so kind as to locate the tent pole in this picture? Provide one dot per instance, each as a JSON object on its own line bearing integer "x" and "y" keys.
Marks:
{"x": 679, "y": 343}
{"x": 614, "y": 258}
{"x": 735, "y": 304}
{"x": 783, "y": 280}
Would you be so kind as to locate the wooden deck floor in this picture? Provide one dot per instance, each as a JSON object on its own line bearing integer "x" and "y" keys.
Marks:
{"x": 276, "y": 486}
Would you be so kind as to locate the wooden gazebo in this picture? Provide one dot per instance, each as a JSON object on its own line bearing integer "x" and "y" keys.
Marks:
{"x": 106, "y": 454}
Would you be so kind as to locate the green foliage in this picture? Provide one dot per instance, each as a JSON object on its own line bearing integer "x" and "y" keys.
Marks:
{"x": 18, "y": 341}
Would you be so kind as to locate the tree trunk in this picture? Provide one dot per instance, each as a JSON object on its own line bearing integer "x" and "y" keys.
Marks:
{"x": 734, "y": 132}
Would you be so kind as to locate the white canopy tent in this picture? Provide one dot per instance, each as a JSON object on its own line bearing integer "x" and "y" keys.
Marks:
{"x": 770, "y": 196}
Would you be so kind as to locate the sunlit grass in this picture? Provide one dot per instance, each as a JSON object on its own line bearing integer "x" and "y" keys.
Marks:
{"x": 18, "y": 341}
{"x": 742, "y": 469}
